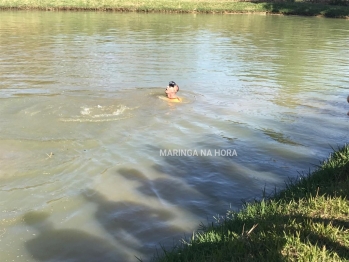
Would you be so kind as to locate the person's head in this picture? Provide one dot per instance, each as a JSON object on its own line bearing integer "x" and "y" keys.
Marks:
{"x": 172, "y": 89}
{"x": 173, "y": 86}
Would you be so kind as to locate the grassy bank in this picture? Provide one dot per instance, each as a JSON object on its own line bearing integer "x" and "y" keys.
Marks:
{"x": 187, "y": 6}
{"x": 308, "y": 221}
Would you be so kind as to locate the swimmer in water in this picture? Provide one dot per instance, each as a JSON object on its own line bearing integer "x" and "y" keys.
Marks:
{"x": 348, "y": 102}
{"x": 171, "y": 91}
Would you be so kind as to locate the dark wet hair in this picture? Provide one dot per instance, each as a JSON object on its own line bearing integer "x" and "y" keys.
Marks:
{"x": 173, "y": 84}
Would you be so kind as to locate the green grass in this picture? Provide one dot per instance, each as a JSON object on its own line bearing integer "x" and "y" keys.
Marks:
{"x": 186, "y": 6}
{"x": 308, "y": 221}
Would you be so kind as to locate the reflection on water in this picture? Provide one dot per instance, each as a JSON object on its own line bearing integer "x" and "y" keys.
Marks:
{"x": 279, "y": 137}
{"x": 83, "y": 125}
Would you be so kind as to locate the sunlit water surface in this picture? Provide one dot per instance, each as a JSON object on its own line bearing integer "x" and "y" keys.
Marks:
{"x": 88, "y": 164}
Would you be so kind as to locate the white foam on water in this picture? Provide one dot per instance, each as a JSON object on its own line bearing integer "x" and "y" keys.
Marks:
{"x": 100, "y": 114}
{"x": 119, "y": 111}
{"x": 93, "y": 120}
{"x": 85, "y": 111}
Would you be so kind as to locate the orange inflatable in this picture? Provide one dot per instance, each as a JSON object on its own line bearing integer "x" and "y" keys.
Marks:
{"x": 171, "y": 100}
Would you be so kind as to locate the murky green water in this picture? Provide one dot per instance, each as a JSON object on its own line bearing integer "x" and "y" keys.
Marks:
{"x": 94, "y": 166}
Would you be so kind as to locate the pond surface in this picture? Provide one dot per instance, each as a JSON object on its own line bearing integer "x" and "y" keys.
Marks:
{"x": 96, "y": 167}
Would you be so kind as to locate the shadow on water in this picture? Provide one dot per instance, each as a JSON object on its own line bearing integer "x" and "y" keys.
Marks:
{"x": 198, "y": 185}
{"x": 52, "y": 244}
{"x": 214, "y": 179}
{"x": 132, "y": 224}
{"x": 173, "y": 191}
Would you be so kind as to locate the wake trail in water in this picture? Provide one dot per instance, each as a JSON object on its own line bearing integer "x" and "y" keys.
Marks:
{"x": 101, "y": 114}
